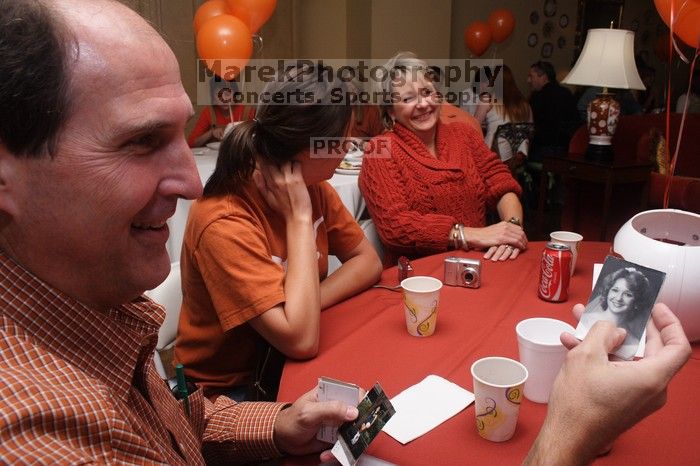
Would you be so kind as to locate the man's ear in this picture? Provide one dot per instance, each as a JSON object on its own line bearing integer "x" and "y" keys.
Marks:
{"x": 9, "y": 177}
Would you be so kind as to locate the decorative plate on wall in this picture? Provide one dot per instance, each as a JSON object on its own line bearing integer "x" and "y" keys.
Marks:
{"x": 547, "y": 29}
{"x": 534, "y": 17}
{"x": 563, "y": 21}
{"x": 547, "y": 49}
{"x": 550, "y": 8}
{"x": 532, "y": 39}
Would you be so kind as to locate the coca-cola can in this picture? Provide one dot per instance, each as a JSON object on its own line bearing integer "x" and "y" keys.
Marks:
{"x": 555, "y": 273}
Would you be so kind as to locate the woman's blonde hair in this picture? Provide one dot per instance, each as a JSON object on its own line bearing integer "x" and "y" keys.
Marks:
{"x": 398, "y": 67}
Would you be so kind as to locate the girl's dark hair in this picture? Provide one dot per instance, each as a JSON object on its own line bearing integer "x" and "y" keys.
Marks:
{"x": 300, "y": 104}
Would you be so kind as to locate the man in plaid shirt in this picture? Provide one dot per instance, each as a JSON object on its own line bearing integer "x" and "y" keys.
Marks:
{"x": 92, "y": 162}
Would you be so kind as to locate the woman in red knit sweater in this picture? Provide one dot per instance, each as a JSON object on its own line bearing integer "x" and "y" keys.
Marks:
{"x": 428, "y": 184}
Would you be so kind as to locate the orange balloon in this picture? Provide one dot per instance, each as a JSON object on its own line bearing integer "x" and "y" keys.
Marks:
{"x": 254, "y": 13}
{"x": 207, "y": 11}
{"x": 502, "y": 22}
{"x": 686, "y": 19}
{"x": 477, "y": 37}
{"x": 225, "y": 43}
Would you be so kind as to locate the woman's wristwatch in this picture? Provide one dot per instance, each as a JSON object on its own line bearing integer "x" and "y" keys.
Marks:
{"x": 458, "y": 238}
{"x": 515, "y": 221}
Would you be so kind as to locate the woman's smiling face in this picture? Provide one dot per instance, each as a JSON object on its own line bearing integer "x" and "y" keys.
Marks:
{"x": 620, "y": 297}
{"x": 418, "y": 105}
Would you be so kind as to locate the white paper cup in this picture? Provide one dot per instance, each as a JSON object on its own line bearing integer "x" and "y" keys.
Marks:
{"x": 498, "y": 389}
{"x": 421, "y": 296}
{"x": 542, "y": 353}
{"x": 568, "y": 238}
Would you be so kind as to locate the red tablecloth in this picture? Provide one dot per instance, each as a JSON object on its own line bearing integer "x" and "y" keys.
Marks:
{"x": 364, "y": 340}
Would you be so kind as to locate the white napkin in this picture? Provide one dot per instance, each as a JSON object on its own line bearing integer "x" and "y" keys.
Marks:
{"x": 424, "y": 406}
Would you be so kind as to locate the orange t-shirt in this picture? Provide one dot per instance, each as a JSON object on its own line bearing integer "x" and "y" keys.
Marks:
{"x": 233, "y": 268}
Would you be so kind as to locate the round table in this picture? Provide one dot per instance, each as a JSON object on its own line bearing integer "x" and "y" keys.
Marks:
{"x": 364, "y": 340}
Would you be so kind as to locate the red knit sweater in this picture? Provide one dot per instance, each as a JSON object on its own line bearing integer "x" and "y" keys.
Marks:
{"x": 414, "y": 199}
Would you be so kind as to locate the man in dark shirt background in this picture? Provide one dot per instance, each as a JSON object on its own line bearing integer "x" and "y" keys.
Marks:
{"x": 554, "y": 112}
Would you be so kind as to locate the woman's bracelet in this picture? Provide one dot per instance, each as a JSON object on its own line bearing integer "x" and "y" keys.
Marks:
{"x": 459, "y": 239}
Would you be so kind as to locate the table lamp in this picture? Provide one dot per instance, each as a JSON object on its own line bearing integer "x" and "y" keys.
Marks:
{"x": 607, "y": 61}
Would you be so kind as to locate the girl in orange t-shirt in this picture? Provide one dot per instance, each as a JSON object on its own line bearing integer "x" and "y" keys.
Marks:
{"x": 254, "y": 260}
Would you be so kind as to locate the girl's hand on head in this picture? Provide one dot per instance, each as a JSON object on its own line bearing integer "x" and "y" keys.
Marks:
{"x": 284, "y": 190}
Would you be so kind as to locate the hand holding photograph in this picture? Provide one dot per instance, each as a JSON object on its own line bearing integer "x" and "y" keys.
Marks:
{"x": 624, "y": 294}
{"x": 354, "y": 437}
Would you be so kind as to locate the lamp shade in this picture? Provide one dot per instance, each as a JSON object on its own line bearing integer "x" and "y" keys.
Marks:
{"x": 607, "y": 60}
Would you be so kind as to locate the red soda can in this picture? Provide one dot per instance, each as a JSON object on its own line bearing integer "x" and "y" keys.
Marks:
{"x": 555, "y": 272}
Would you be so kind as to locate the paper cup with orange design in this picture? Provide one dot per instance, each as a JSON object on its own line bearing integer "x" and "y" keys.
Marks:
{"x": 421, "y": 296}
{"x": 498, "y": 389}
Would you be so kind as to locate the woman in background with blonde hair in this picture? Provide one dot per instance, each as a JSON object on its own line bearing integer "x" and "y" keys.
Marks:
{"x": 428, "y": 185}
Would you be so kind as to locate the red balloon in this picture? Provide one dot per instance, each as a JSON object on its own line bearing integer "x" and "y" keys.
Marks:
{"x": 254, "y": 13}
{"x": 208, "y": 10}
{"x": 225, "y": 43}
{"x": 502, "y": 22}
{"x": 686, "y": 19}
{"x": 477, "y": 37}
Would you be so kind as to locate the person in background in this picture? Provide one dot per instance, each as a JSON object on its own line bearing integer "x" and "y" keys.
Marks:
{"x": 553, "y": 110}
{"x": 693, "y": 98}
{"x": 213, "y": 120}
{"x": 513, "y": 108}
{"x": 367, "y": 122}
{"x": 82, "y": 236}
{"x": 648, "y": 98}
{"x": 427, "y": 184}
{"x": 255, "y": 252}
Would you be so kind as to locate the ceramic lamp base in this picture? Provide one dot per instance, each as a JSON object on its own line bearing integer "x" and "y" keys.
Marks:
{"x": 603, "y": 114}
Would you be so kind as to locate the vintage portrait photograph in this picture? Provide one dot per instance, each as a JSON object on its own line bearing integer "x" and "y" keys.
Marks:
{"x": 624, "y": 294}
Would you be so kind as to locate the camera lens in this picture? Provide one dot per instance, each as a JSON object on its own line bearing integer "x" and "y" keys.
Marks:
{"x": 468, "y": 276}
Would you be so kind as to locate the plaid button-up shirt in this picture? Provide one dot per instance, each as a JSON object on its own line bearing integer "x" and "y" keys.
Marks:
{"x": 78, "y": 385}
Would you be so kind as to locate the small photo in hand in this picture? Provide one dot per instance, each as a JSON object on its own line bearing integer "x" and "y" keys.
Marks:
{"x": 375, "y": 410}
{"x": 624, "y": 294}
